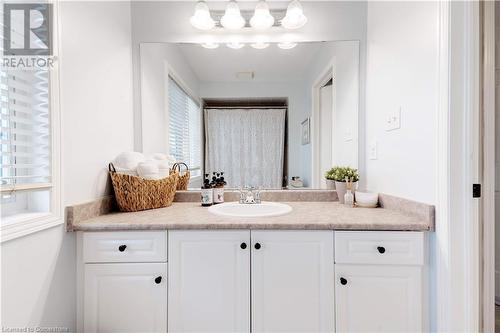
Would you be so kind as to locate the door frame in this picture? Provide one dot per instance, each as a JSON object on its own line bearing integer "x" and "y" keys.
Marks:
{"x": 488, "y": 160}
{"x": 457, "y": 237}
{"x": 326, "y": 74}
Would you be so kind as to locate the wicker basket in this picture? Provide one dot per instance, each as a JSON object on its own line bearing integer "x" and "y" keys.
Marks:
{"x": 183, "y": 182}
{"x": 135, "y": 193}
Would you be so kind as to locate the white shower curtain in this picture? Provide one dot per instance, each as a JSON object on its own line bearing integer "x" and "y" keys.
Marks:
{"x": 247, "y": 144}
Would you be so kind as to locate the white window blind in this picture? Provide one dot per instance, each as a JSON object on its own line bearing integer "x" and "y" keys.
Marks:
{"x": 184, "y": 127}
{"x": 25, "y": 140}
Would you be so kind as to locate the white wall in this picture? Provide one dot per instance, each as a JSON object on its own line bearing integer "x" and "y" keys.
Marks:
{"x": 157, "y": 61}
{"x": 402, "y": 55}
{"x": 344, "y": 57}
{"x": 38, "y": 271}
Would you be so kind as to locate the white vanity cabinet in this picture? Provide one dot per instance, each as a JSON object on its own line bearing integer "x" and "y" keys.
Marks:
{"x": 380, "y": 279}
{"x": 284, "y": 279}
{"x": 252, "y": 281}
{"x": 123, "y": 282}
{"x": 209, "y": 281}
{"x": 292, "y": 274}
{"x": 125, "y": 297}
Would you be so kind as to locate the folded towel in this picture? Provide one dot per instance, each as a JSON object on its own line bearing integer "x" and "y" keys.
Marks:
{"x": 159, "y": 156}
{"x": 163, "y": 167}
{"x": 128, "y": 161}
{"x": 126, "y": 171}
{"x": 147, "y": 169}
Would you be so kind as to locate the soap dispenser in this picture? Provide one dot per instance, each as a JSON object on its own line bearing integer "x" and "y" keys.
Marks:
{"x": 207, "y": 198}
{"x": 219, "y": 188}
{"x": 348, "y": 196}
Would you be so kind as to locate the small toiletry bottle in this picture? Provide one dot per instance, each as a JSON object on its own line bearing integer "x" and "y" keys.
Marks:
{"x": 348, "y": 197}
{"x": 219, "y": 188}
{"x": 206, "y": 193}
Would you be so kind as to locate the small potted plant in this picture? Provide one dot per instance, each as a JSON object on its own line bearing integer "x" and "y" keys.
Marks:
{"x": 339, "y": 175}
{"x": 330, "y": 179}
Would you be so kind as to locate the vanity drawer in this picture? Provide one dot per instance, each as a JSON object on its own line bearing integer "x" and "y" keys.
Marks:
{"x": 379, "y": 247}
{"x": 126, "y": 246}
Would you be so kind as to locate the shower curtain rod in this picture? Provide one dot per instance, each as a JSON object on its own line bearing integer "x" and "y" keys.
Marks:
{"x": 245, "y": 107}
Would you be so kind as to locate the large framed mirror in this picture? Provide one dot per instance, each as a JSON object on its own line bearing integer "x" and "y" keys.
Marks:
{"x": 271, "y": 116}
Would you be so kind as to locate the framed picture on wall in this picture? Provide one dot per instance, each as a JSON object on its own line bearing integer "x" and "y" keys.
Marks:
{"x": 306, "y": 136}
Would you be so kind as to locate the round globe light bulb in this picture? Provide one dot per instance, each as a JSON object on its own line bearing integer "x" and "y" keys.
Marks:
{"x": 201, "y": 18}
{"x": 260, "y": 45}
{"x": 294, "y": 18}
{"x": 262, "y": 18}
{"x": 210, "y": 45}
{"x": 235, "y": 45}
{"x": 232, "y": 18}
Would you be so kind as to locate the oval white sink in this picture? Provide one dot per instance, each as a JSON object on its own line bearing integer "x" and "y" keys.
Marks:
{"x": 235, "y": 209}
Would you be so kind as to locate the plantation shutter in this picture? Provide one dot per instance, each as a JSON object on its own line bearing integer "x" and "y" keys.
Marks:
{"x": 184, "y": 127}
{"x": 25, "y": 130}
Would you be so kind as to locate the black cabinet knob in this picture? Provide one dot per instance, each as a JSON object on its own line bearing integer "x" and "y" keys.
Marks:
{"x": 122, "y": 248}
{"x": 343, "y": 281}
{"x": 257, "y": 246}
{"x": 158, "y": 280}
{"x": 381, "y": 249}
{"x": 243, "y": 245}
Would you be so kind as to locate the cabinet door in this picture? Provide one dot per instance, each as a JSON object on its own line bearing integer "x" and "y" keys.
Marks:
{"x": 209, "y": 281}
{"x": 125, "y": 298}
{"x": 378, "y": 298}
{"x": 292, "y": 281}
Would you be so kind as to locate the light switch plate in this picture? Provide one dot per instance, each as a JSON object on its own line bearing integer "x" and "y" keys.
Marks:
{"x": 372, "y": 150}
{"x": 393, "y": 121}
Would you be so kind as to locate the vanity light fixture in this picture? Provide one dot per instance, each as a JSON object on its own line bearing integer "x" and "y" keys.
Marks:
{"x": 201, "y": 18}
{"x": 294, "y": 17}
{"x": 210, "y": 45}
{"x": 259, "y": 45}
{"x": 232, "y": 18}
{"x": 262, "y": 18}
{"x": 287, "y": 45}
{"x": 235, "y": 45}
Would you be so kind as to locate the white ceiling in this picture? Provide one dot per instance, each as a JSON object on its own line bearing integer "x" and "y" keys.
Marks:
{"x": 269, "y": 65}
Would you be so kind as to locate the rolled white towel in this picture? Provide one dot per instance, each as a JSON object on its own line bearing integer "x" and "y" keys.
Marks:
{"x": 127, "y": 171}
{"x": 128, "y": 161}
{"x": 148, "y": 170}
{"x": 159, "y": 156}
{"x": 163, "y": 168}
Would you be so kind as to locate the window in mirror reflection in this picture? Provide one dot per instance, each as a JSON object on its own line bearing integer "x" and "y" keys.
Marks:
{"x": 184, "y": 127}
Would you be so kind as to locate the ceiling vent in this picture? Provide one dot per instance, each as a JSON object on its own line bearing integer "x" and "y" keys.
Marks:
{"x": 245, "y": 76}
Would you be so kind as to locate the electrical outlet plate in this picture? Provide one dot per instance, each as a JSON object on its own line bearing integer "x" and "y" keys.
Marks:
{"x": 393, "y": 121}
{"x": 348, "y": 135}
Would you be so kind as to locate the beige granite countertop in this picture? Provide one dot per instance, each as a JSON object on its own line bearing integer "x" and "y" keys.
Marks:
{"x": 305, "y": 215}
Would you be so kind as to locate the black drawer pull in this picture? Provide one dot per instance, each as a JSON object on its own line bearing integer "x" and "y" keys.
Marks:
{"x": 343, "y": 281}
{"x": 122, "y": 248}
{"x": 381, "y": 249}
{"x": 158, "y": 280}
{"x": 243, "y": 245}
{"x": 257, "y": 246}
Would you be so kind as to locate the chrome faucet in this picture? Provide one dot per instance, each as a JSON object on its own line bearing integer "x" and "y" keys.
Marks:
{"x": 250, "y": 195}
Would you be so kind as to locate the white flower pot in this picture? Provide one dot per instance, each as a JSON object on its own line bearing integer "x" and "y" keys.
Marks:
{"x": 330, "y": 184}
{"x": 341, "y": 188}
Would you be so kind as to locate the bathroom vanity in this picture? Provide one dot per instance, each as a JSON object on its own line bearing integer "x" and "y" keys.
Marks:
{"x": 334, "y": 269}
